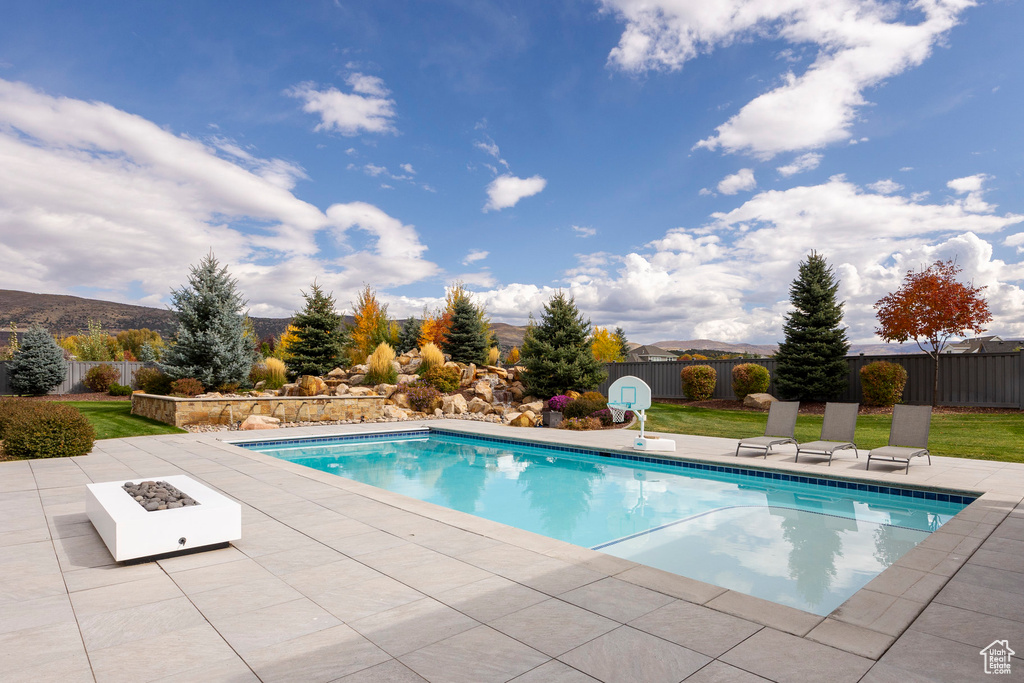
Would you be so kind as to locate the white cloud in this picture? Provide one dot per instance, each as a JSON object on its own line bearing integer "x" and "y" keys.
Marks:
{"x": 584, "y": 231}
{"x": 804, "y": 162}
{"x": 374, "y": 171}
{"x": 475, "y": 255}
{"x": 860, "y": 43}
{"x": 886, "y": 186}
{"x": 974, "y": 187}
{"x": 918, "y": 196}
{"x": 506, "y": 190}
{"x": 741, "y": 181}
{"x": 367, "y": 85}
{"x": 490, "y": 147}
{"x": 705, "y": 192}
{"x": 730, "y": 279}
{"x": 94, "y": 196}
{"x": 367, "y": 109}
{"x": 407, "y": 168}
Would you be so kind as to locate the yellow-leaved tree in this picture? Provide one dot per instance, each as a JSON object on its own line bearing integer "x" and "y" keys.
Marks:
{"x": 288, "y": 337}
{"x": 370, "y": 328}
{"x": 605, "y": 346}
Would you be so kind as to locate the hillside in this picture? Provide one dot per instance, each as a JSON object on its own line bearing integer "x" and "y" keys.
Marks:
{"x": 64, "y": 315}
{"x": 770, "y": 349}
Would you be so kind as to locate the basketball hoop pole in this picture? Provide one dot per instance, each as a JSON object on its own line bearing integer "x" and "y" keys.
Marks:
{"x": 643, "y": 418}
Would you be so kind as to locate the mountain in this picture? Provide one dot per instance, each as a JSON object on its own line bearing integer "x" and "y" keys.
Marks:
{"x": 770, "y": 349}
{"x": 65, "y": 315}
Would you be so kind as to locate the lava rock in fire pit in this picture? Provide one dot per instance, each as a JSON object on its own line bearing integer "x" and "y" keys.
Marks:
{"x": 158, "y": 495}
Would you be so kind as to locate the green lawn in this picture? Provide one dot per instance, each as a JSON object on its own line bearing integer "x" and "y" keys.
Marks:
{"x": 977, "y": 436}
{"x": 114, "y": 420}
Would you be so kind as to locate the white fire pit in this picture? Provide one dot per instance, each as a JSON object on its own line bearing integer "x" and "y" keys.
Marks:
{"x": 131, "y": 532}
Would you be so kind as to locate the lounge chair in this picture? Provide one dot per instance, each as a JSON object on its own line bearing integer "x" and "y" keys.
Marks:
{"x": 908, "y": 436}
{"x": 779, "y": 430}
{"x": 836, "y": 432}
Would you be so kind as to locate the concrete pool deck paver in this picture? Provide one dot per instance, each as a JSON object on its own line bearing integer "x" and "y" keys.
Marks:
{"x": 336, "y": 580}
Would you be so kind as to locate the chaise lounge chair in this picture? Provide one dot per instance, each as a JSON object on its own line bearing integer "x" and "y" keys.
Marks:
{"x": 836, "y": 432}
{"x": 908, "y": 436}
{"x": 779, "y": 430}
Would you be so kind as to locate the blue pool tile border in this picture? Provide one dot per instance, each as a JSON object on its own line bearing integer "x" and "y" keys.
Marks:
{"x": 955, "y": 498}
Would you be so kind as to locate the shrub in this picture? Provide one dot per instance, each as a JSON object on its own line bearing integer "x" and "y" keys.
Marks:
{"x": 119, "y": 390}
{"x": 558, "y": 403}
{"x": 422, "y": 396}
{"x": 186, "y": 386}
{"x": 698, "y": 382}
{"x": 229, "y": 388}
{"x": 100, "y": 377}
{"x": 580, "y": 424}
{"x": 581, "y": 407}
{"x": 493, "y": 355}
{"x": 882, "y": 383}
{"x": 595, "y": 397}
{"x": 749, "y": 378}
{"x": 11, "y": 409}
{"x": 444, "y": 379}
{"x": 152, "y": 381}
{"x": 381, "y": 370}
{"x": 49, "y": 430}
{"x": 430, "y": 357}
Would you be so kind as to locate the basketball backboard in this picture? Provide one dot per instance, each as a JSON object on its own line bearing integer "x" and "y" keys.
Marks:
{"x": 631, "y": 392}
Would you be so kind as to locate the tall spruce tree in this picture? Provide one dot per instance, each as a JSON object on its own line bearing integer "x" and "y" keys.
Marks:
{"x": 812, "y": 359}
{"x": 556, "y": 351}
{"x": 466, "y": 340}
{"x": 38, "y": 364}
{"x": 317, "y": 348}
{"x": 409, "y": 337}
{"x": 211, "y": 343}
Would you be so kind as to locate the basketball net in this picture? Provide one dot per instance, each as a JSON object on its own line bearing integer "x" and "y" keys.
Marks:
{"x": 618, "y": 413}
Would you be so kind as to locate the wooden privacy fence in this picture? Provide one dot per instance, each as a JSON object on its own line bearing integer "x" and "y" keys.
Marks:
{"x": 73, "y": 383}
{"x": 991, "y": 380}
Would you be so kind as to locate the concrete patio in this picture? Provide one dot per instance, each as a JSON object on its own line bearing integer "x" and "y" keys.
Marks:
{"x": 334, "y": 580}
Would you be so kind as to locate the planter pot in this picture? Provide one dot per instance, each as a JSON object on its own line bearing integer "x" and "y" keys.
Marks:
{"x": 551, "y": 418}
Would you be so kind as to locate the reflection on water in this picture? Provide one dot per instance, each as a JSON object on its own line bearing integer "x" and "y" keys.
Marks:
{"x": 806, "y": 546}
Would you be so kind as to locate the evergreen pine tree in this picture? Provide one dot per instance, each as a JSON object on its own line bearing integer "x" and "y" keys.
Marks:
{"x": 147, "y": 354}
{"x": 620, "y": 334}
{"x": 556, "y": 352}
{"x": 317, "y": 347}
{"x": 466, "y": 341}
{"x": 210, "y": 344}
{"x": 812, "y": 359}
{"x": 38, "y": 364}
{"x": 409, "y": 337}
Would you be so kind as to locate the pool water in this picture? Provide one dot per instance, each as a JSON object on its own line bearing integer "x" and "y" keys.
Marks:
{"x": 799, "y": 544}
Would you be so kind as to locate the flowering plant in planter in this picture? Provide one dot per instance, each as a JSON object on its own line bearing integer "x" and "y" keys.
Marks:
{"x": 557, "y": 403}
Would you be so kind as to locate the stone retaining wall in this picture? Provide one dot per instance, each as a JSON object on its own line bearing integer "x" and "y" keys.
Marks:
{"x": 192, "y": 411}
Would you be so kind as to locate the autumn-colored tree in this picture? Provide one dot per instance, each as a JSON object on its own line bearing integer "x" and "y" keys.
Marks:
{"x": 930, "y": 307}
{"x": 371, "y": 326}
{"x": 513, "y": 356}
{"x": 605, "y": 346}
{"x": 288, "y": 337}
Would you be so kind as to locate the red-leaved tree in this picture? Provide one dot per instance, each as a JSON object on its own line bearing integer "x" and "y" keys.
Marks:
{"x": 930, "y": 307}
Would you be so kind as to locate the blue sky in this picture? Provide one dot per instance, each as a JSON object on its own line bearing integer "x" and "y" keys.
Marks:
{"x": 667, "y": 162}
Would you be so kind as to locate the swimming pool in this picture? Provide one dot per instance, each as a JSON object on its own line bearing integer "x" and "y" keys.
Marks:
{"x": 799, "y": 541}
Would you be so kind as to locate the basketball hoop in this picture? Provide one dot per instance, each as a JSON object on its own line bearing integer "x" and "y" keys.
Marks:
{"x": 618, "y": 412}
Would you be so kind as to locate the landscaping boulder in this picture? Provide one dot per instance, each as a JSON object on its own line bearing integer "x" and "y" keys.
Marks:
{"x": 534, "y": 406}
{"x": 517, "y": 390}
{"x": 407, "y": 378}
{"x": 526, "y": 419}
{"x": 484, "y": 390}
{"x": 468, "y": 374}
{"x": 336, "y": 373}
{"x": 385, "y": 389}
{"x": 454, "y": 405}
{"x": 762, "y": 401}
{"x": 310, "y": 385}
{"x": 478, "y": 405}
{"x": 341, "y": 390}
{"x": 260, "y": 422}
{"x": 356, "y": 379}
{"x": 361, "y": 391}
{"x": 402, "y": 401}
{"x": 395, "y": 413}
